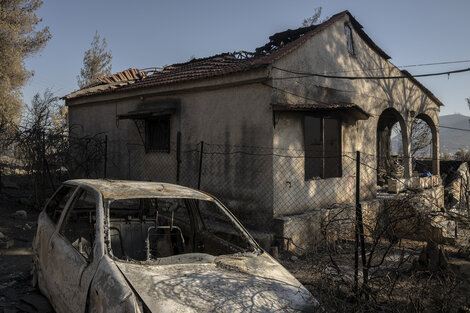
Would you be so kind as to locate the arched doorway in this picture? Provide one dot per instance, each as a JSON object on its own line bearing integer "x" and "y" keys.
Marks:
{"x": 424, "y": 127}
{"x": 398, "y": 165}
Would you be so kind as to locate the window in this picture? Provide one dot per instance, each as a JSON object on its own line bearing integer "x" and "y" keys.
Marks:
{"x": 157, "y": 134}
{"x": 78, "y": 226}
{"x": 322, "y": 139}
{"x": 57, "y": 203}
{"x": 349, "y": 39}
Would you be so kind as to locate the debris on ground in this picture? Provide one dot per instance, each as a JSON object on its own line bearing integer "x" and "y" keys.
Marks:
{"x": 432, "y": 258}
{"x": 20, "y": 214}
{"x": 457, "y": 190}
{"x": 6, "y": 243}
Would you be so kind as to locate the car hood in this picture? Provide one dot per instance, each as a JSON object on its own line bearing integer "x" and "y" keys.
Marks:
{"x": 203, "y": 283}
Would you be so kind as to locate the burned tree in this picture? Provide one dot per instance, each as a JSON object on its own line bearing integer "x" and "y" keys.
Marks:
{"x": 41, "y": 140}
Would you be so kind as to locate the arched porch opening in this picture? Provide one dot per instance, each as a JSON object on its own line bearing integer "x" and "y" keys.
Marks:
{"x": 389, "y": 165}
{"x": 425, "y": 141}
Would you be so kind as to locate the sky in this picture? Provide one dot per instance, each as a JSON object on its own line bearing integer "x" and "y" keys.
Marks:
{"x": 145, "y": 33}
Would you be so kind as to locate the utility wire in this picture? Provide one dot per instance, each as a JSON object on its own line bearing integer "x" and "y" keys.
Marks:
{"x": 435, "y": 63}
{"x": 398, "y": 66}
{"x": 306, "y": 74}
{"x": 455, "y": 128}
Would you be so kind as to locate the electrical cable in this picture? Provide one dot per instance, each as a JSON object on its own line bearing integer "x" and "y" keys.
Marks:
{"x": 455, "y": 128}
{"x": 306, "y": 74}
{"x": 400, "y": 66}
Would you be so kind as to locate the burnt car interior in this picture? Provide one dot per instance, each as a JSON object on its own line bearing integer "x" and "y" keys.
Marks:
{"x": 151, "y": 228}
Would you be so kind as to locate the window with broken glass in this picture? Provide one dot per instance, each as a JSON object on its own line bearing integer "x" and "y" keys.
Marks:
{"x": 322, "y": 140}
{"x": 157, "y": 134}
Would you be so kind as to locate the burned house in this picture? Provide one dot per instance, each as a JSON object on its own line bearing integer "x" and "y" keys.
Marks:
{"x": 303, "y": 104}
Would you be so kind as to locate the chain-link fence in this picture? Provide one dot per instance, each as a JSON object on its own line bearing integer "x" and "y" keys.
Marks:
{"x": 352, "y": 239}
{"x": 357, "y": 235}
{"x": 266, "y": 188}
{"x": 269, "y": 190}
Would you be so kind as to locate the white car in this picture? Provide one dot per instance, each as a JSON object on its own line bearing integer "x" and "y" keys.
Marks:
{"x": 128, "y": 246}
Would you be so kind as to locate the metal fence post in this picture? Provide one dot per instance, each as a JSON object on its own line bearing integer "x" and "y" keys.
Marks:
{"x": 105, "y": 155}
{"x": 178, "y": 156}
{"x": 359, "y": 223}
{"x": 356, "y": 228}
{"x": 200, "y": 165}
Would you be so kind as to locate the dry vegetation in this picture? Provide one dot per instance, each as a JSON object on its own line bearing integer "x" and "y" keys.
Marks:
{"x": 402, "y": 275}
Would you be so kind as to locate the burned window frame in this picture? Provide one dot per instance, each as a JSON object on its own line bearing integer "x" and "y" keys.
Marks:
{"x": 349, "y": 38}
{"x": 311, "y": 160}
{"x": 161, "y": 144}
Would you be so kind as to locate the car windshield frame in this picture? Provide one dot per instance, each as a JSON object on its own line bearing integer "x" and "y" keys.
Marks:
{"x": 254, "y": 248}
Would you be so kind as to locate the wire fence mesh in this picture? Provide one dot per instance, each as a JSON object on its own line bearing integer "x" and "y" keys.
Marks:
{"x": 354, "y": 234}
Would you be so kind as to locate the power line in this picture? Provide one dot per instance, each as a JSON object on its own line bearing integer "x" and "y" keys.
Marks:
{"x": 399, "y": 66}
{"x": 455, "y": 128}
{"x": 306, "y": 74}
{"x": 435, "y": 63}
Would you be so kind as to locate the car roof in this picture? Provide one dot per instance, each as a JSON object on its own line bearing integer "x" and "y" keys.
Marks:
{"x": 128, "y": 189}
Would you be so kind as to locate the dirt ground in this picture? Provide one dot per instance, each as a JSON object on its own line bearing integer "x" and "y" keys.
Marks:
{"x": 16, "y": 291}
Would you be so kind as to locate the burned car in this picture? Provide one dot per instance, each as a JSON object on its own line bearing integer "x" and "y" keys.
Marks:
{"x": 127, "y": 246}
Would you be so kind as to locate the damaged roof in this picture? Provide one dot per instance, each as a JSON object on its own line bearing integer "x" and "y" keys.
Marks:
{"x": 279, "y": 45}
{"x": 216, "y": 65}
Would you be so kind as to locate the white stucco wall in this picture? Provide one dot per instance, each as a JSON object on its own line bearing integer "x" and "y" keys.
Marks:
{"x": 326, "y": 53}
{"x": 228, "y": 120}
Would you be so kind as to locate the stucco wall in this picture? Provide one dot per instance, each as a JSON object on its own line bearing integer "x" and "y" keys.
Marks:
{"x": 228, "y": 120}
{"x": 327, "y": 53}
{"x": 292, "y": 193}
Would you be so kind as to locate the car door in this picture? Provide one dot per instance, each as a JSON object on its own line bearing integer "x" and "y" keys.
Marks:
{"x": 47, "y": 223}
{"x": 72, "y": 257}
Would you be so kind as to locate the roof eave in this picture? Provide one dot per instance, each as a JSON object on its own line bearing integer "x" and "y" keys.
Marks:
{"x": 173, "y": 88}
{"x": 354, "y": 110}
